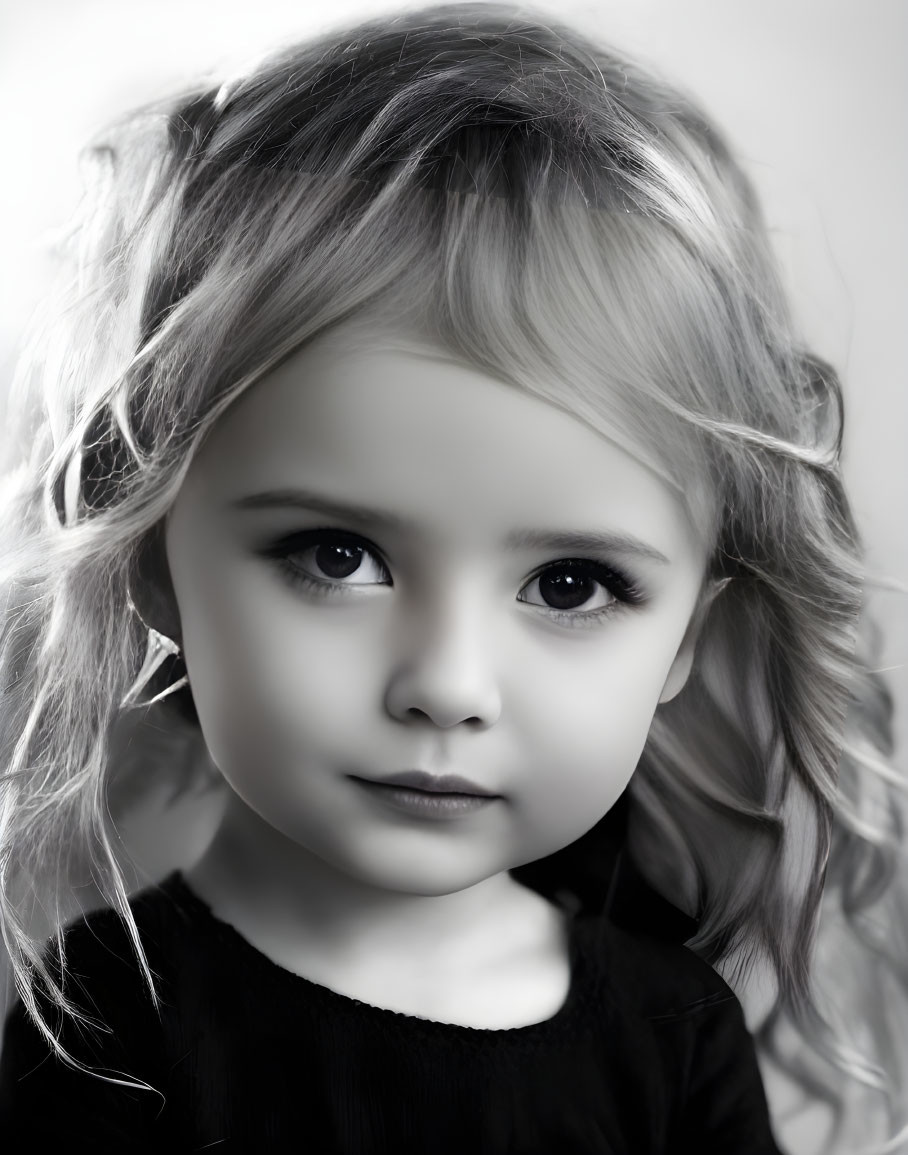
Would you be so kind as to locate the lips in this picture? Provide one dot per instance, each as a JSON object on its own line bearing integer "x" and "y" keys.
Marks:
{"x": 434, "y": 783}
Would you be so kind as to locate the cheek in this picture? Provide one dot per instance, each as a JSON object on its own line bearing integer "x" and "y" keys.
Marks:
{"x": 580, "y": 742}
{"x": 273, "y": 678}
{"x": 586, "y": 707}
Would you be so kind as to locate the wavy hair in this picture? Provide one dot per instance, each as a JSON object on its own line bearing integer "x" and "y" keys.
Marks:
{"x": 543, "y": 208}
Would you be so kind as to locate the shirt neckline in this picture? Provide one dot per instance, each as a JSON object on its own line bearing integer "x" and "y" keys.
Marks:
{"x": 294, "y": 986}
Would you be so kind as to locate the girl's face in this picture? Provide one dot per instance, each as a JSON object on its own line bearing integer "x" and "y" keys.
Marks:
{"x": 386, "y": 561}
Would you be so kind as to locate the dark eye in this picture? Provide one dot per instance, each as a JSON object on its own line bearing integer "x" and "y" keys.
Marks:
{"x": 577, "y": 587}
{"x": 341, "y": 561}
{"x": 331, "y": 557}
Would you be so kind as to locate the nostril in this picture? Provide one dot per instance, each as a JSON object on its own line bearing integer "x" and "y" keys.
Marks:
{"x": 444, "y": 697}
{"x": 416, "y": 714}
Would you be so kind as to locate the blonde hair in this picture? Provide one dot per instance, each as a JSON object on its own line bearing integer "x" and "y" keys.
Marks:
{"x": 542, "y": 208}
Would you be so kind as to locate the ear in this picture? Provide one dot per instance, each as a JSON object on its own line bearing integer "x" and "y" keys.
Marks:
{"x": 151, "y": 588}
{"x": 684, "y": 659}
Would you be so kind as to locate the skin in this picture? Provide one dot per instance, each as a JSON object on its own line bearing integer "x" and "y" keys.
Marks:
{"x": 438, "y": 653}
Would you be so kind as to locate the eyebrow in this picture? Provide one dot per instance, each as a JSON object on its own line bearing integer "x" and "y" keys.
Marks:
{"x": 621, "y": 543}
{"x": 569, "y": 542}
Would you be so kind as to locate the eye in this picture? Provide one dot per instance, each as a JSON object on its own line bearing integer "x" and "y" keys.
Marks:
{"x": 331, "y": 558}
{"x": 576, "y": 587}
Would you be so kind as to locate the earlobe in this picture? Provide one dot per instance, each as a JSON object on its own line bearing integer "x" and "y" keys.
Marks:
{"x": 684, "y": 659}
{"x": 681, "y": 668}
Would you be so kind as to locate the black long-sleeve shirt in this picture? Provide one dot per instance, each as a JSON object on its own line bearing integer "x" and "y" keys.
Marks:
{"x": 649, "y": 1054}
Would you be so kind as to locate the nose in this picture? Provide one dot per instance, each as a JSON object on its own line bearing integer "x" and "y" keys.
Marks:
{"x": 445, "y": 673}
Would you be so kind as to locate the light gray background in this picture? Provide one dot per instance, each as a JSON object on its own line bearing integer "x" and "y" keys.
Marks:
{"x": 813, "y": 94}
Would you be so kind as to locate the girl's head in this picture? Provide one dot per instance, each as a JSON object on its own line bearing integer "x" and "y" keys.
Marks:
{"x": 468, "y": 269}
{"x": 382, "y": 560}
{"x": 580, "y": 244}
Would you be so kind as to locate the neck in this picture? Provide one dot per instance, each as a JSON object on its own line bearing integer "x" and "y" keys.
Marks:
{"x": 287, "y": 900}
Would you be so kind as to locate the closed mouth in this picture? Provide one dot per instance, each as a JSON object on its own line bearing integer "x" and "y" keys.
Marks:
{"x": 424, "y": 783}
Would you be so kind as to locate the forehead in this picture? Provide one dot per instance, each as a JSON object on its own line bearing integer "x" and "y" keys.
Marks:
{"x": 390, "y": 419}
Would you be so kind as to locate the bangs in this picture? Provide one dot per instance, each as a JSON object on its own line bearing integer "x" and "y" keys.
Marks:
{"x": 603, "y": 314}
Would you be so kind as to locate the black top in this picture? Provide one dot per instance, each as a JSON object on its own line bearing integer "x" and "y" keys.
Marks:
{"x": 648, "y": 1054}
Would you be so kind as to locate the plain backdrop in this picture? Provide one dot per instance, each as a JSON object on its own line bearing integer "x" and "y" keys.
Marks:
{"x": 812, "y": 93}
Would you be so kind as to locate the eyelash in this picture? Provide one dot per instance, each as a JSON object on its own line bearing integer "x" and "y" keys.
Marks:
{"x": 285, "y": 549}
{"x": 624, "y": 591}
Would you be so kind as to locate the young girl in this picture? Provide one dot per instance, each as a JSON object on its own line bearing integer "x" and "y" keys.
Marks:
{"x": 429, "y": 438}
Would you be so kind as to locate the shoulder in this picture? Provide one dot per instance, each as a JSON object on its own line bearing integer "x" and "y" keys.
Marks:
{"x": 682, "y": 1030}
{"x": 113, "y": 1033}
{"x": 99, "y": 970}
{"x": 655, "y": 978}
{"x": 99, "y": 943}
{"x": 113, "y": 1016}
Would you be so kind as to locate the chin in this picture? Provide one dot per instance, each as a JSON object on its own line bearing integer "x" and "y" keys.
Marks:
{"x": 424, "y": 879}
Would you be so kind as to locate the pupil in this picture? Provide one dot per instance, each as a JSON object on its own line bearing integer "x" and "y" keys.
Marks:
{"x": 338, "y": 561}
{"x": 564, "y": 590}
